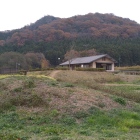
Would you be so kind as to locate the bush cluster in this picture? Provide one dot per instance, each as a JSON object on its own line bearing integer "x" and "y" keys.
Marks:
{"x": 23, "y": 72}
{"x": 66, "y": 68}
{"x": 57, "y": 68}
{"x": 90, "y": 69}
{"x": 61, "y": 68}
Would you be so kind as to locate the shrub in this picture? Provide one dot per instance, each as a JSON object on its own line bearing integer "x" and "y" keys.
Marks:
{"x": 35, "y": 100}
{"x": 53, "y": 83}
{"x": 85, "y": 132}
{"x": 69, "y": 85}
{"x": 81, "y": 114}
{"x": 54, "y": 113}
{"x": 55, "y": 138}
{"x": 55, "y": 130}
{"x": 5, "y": 105}
{"x": 68, "y": 120}
{"x": 47, "y": 69}
{"x": 62, "y": 68}
{"x": 9, "y": 137}
{"x": 19, "y": 89}
{"x": 23, "y": 72}
{"x": 29, "y": 83}
{"x": 31, "y": 100}
{"x": 101, "y": 104}
{"x": 90, "y": 69}
{"x": 94, "y": 110}
{"x": 3, "y": 86}
{"x": 37, "y": 69}
{"x": 120, "y": 100}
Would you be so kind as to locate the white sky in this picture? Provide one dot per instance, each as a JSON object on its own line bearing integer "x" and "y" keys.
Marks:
{"x": 15, "y": 14}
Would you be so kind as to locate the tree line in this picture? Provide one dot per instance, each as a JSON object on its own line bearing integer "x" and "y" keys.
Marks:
{"x": 52, "y": 37}
{"x": 14, "y": 60}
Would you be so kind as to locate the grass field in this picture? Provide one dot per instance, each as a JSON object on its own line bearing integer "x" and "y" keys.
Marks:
{"x": 69, "y": 105}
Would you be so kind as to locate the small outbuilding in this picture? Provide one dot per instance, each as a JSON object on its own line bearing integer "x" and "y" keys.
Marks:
{"x": 97, "y": 61}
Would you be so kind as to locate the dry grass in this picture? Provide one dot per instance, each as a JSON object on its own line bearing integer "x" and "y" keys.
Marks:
{"x": 34, "y": 73}
{"x": 128, "y": 78}
{"x": 61, "y": 96}
{"x": 73, "y": 90}
{"x": 114, "y": 84}
{"x": 128, "y": 68}
{"x": 89, "y": 77}
{"x": 73, "y": 99}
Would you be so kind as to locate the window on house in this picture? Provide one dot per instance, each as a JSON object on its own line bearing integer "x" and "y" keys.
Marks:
{"x": 86, "y": 66}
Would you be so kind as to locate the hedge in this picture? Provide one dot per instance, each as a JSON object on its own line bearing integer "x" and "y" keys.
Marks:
{"x": 90, "y": 69}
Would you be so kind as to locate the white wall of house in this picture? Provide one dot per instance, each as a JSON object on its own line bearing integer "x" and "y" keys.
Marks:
{"x": 112, "y": 66}
{"x": 104, "y": 60}
{"x": 94, "y": 65}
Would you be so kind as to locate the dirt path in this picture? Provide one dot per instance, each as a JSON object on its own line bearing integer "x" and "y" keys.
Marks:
{"x": 54, "y": 73}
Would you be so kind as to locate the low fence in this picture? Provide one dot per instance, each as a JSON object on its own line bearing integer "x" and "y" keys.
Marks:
{"x": 8, "y": 71}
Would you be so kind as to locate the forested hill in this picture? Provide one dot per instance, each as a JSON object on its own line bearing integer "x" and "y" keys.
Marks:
{"x": 107, "y": 33}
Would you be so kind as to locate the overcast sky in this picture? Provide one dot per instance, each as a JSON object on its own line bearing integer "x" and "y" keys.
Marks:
{"x": 15, "y": 14}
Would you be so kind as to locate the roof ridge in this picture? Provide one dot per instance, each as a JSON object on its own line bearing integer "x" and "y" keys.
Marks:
{"x": 93, "y": 55}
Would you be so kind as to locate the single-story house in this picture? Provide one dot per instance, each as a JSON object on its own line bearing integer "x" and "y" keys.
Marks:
{"x": 97, "y": 61}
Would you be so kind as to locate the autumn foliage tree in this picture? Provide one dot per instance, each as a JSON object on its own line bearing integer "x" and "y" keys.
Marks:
{"x": 24, "y": 61}
{"x": 73, "y": 54}
{"x": 36, "y": 60}
{"x": 10, "y": 59}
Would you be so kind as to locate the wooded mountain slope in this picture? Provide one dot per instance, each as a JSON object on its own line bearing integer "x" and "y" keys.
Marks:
{"x": 107, "y": 33}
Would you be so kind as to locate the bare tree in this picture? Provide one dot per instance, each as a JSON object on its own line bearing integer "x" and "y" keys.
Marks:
{"x": 71, "y": 54}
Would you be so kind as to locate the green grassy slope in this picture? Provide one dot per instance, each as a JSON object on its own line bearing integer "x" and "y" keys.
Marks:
{"x": 71, "y": 105}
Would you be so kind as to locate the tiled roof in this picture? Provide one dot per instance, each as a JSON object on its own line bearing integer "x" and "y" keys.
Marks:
{"x": 84, "y": 60}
